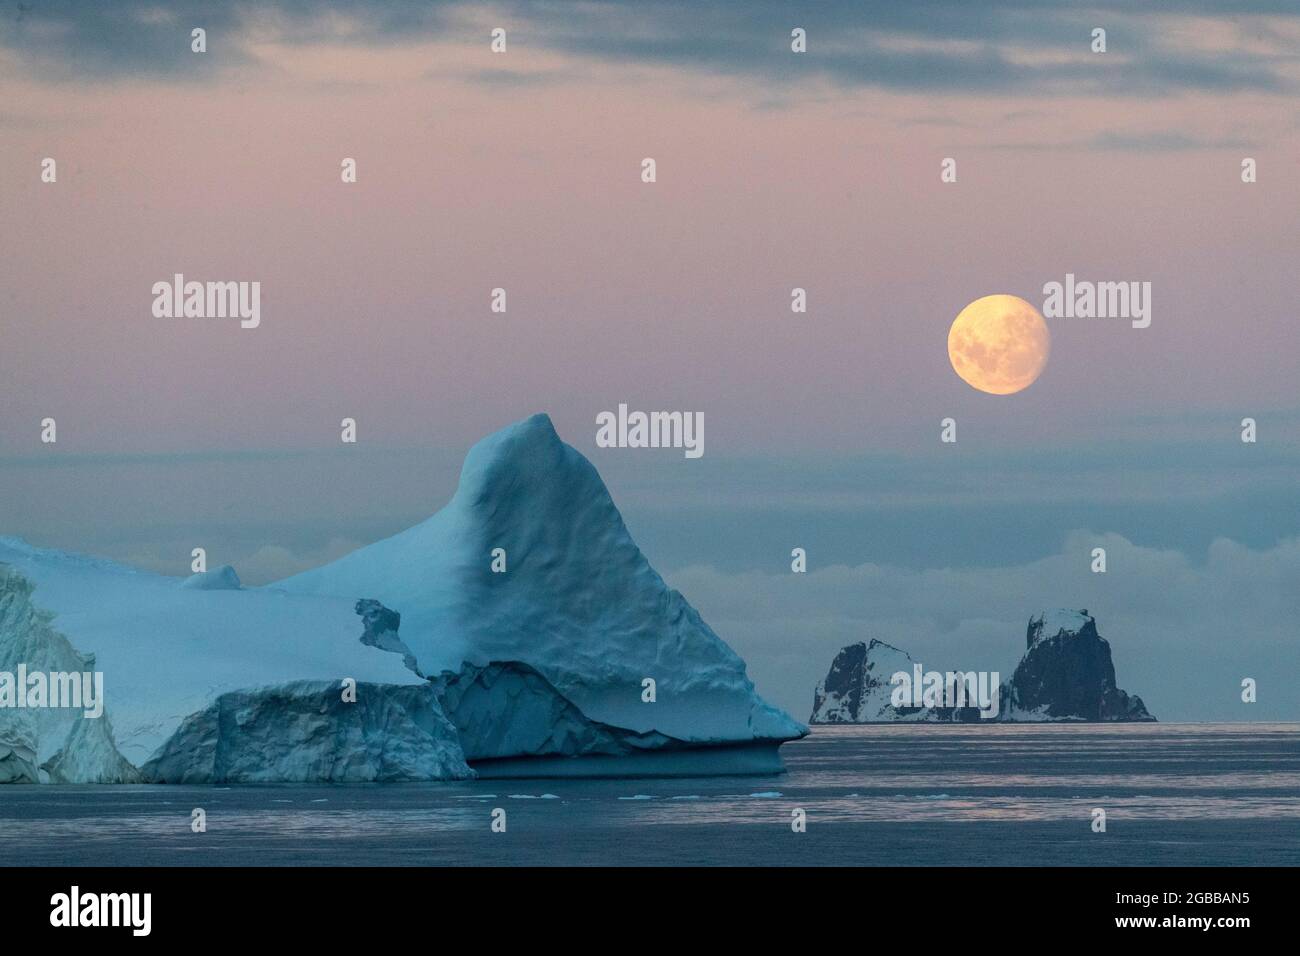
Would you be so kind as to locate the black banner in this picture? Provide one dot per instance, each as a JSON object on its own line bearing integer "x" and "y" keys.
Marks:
{"x": 216, "y": 905}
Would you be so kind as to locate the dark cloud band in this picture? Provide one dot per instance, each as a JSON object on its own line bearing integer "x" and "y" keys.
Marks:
{"x": 1025, "y": 47}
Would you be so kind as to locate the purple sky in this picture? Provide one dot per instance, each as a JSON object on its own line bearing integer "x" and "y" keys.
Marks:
{"x": 672, "y": 295}
{"x": 775, "y": 170}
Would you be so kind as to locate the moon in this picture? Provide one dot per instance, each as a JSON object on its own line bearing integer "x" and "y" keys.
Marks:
{"x": 999, "y": 344}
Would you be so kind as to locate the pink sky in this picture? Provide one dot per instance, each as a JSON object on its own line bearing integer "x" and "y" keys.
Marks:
{"x": 672, "y": 295}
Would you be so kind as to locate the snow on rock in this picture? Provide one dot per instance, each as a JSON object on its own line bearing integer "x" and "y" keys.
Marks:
{"x": 857, "y": 689}
{"x": 165, "y": 651}
{"x": 578, "y": 603}
{"x": 1067, "y": 674}
{"x": 223, "y": 578}
{"x": 1052, "y": 623}
{"x": 305, "y": 731}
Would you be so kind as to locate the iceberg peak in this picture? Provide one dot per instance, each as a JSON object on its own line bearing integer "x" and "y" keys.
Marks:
{"x": 497, "y": 466}
{"x": 531, "y": 562}
{"x": 223, "y": 578}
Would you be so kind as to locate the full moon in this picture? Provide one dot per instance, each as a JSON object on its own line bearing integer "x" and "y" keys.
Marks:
{"x": 999, "y": 344}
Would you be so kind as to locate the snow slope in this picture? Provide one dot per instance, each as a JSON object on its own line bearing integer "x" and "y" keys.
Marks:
{"x": 223, "y": 578}
{"x": 578, "y": 602}
{"x": 167, "y": 650}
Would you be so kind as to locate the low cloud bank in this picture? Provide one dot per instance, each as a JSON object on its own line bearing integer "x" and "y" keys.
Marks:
{"x": 1183, "y": 632}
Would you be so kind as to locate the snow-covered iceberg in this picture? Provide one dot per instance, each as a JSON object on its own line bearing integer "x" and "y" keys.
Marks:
{"x": 18, "y": 763}
{"x": 577, "y": 604}
{"x": 223, "y": 578}
{"x": 574, "y": 659}
{"x": 74, "y": 749}
{"x": 165, "y": 652}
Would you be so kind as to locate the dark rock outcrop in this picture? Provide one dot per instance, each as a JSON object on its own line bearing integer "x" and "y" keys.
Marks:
{"x": 381, "y": 626}
{"x": 838, "y": 698}
{"x": 857, "y": 690}
{"x": 1067, "y": 674}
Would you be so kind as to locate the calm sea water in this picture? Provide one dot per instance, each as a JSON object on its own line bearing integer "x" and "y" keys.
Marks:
{"x": 1211, "y": 794}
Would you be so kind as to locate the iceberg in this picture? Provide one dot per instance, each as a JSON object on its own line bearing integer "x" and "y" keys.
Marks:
{"x": 307, "y": 732}
{"x": 223, "y": 578}
{"x": 571, "y": 657}
{"x": 18, "y": 763}
{"x": 165, "y": 652}
{"x": 577, "y": 604}
{"x": 74, "y": 749}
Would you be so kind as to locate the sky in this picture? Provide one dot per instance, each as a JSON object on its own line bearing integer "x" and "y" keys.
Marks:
{"x": 775, "y": 170}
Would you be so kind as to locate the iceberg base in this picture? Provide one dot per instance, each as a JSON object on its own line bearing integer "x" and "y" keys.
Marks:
{"x": 733, "y": 760}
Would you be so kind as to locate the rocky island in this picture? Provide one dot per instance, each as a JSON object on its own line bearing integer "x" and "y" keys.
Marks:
{"x": 1066, "y": 674}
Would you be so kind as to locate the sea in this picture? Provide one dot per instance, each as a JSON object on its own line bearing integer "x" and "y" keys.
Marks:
{"x": 874, "y": 795}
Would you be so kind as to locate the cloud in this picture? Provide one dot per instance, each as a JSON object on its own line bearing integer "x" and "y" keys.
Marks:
{"x": 1164, "y": 141}
{"x": 1183, "y": 633}
{"x": 1142, "y": 141}
{"x": 1021, "y": 47}
{"x": 143, "y": 39}
{"x": 505, "y": 79}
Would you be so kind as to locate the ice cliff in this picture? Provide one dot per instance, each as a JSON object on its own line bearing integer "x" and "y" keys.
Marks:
{"x": 166, "y": 652}
{"x": 577, "y": 658}
{"x": 306, "y": 731}
{"x": 53, "y": 744}
{"x": 1066, "y": 674}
